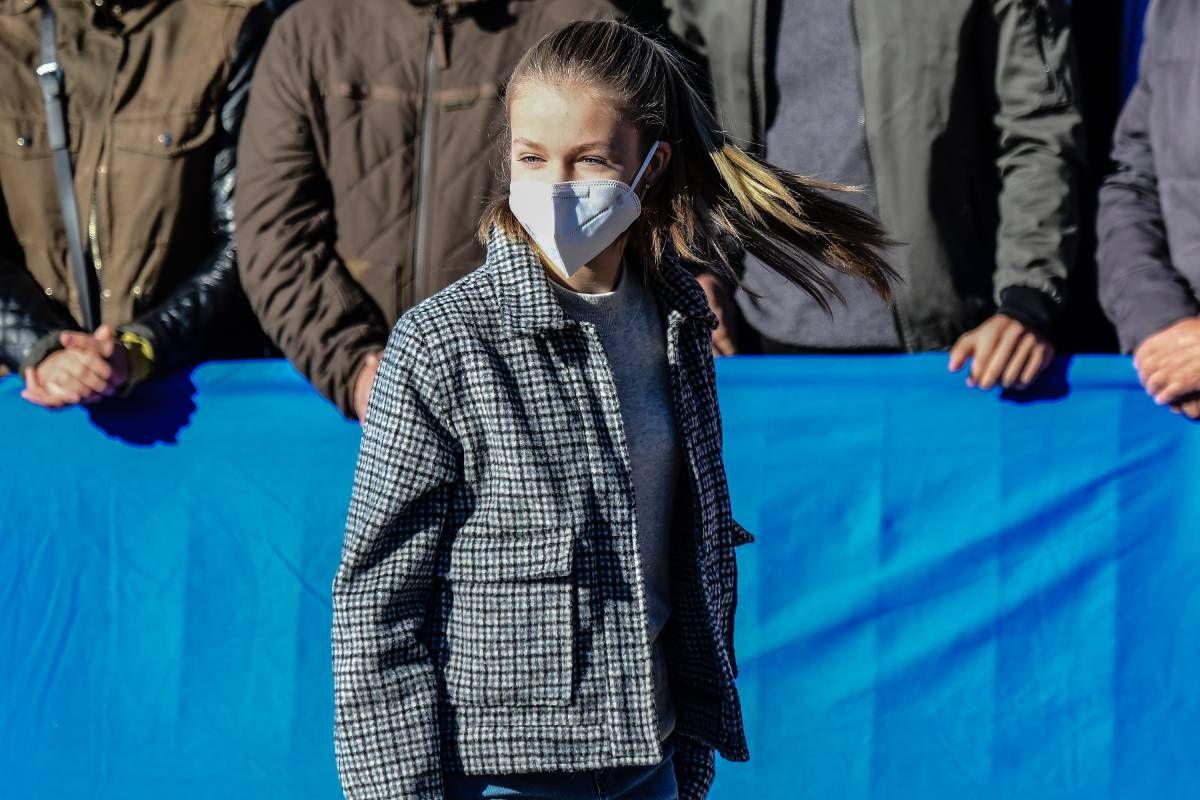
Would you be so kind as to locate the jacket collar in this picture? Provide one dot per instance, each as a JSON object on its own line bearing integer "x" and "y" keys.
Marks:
{"x": 529, "y": 305}
{"x": 130, "y": 13}
{"x": 13, "y": 7}
{"x": 450, "y": 8}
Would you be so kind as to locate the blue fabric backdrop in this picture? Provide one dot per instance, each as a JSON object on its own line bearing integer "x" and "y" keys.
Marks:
{"x": 1131, "y": 45}
{"x": 952, "y": 594}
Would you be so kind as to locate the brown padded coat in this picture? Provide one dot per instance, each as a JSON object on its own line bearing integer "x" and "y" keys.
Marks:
{"x": 353, "y": 204}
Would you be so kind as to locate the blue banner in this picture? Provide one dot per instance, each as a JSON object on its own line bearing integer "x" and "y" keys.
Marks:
{"x": 1131, "y": 42}
{"x": 953, "y": 594}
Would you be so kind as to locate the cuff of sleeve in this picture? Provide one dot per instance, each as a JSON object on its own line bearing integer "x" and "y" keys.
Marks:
{"x": 140, "y": 349}
{"x": 1034, "y": 309}
{"x": 50, "y": 343}
{"x": 1149, "y": 311}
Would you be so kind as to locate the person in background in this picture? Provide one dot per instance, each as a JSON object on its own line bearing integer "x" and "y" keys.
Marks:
{"x": 960, "y": 121}
{"x": 367, "y": 155}
{"x": 151, "y": 99}
{"x": 1149, "y": 222}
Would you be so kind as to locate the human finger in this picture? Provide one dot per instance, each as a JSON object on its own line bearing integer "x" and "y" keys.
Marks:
{"x": 963, "y": 349}
{"x": 86, "y": 371}
{"x": 1019, "y": 361}
{"x": 723, "y": 345}
{"x": 997, "y": 359}
{"x": 1041, "y": 358}
{"x": 65, "y": 389}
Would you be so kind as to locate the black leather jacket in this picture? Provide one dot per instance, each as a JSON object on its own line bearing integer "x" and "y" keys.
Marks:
{"x": 204, "y": 314}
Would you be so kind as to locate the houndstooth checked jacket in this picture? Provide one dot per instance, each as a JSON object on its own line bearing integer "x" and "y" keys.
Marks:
{"x": 488, "y": 611}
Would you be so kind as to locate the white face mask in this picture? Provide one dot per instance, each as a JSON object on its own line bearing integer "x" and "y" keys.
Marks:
{"x": 572, "y": 222}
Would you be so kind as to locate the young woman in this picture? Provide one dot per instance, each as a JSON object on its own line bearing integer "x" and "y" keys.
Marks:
{"x": 537, "y": 590}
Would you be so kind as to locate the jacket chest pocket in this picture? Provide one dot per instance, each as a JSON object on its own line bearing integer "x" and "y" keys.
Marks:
{"x": 167, "y": 135}
{"x": 27, "y": 173}
{"x": 165, "y": 158}
{"x": 504, "y": 626}
{"x": 26, "y": 138}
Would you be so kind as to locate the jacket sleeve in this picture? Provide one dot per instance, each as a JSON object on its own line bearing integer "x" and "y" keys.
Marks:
{"x": 695, "y": 768}
{"x": 1140, "y": 290}
{"x": 178, "y": 327}
{"x": 305, "y": 298}
{"x": 386, "y": 718}
{"x": 1040, "y": 159}
{"x": 29, "y": 322}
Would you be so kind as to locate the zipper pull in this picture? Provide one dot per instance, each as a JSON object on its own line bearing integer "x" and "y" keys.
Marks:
{"x": 1044, "y": 31}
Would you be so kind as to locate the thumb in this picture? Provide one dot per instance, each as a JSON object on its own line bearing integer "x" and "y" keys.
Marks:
{"x": 73, "y": 340}
{"x": 31, "y": 379}
{"x": 104, "y": 333}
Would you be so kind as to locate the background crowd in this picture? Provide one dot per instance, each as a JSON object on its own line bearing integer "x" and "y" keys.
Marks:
{"x": 183, "y": 180}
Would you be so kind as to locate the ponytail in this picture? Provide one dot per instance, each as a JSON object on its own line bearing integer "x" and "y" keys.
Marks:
{"x": 714, "y": 199}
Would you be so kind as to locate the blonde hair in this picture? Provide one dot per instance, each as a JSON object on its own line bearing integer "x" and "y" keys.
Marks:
{"x": 714, "y": 198}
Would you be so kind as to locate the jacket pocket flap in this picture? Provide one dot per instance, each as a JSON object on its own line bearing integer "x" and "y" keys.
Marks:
{"x": 165, "y": 135}
{"x": 27, "y": 136}
{"x": 489, "y": 555}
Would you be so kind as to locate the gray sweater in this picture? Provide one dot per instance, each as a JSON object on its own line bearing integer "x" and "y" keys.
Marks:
{"x": 630, "y": 328}
{"x": 817, "y": 127}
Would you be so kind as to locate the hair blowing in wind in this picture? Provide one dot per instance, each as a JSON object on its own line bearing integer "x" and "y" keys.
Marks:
{"x": 714, "y": 197}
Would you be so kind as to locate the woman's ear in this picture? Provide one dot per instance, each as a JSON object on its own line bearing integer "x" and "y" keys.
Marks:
{"x": 658, "y": 164}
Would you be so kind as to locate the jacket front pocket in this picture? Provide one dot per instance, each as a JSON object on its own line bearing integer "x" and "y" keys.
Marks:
{"x": 505, "y": 622}
{"x": 27, "y": 138}
{"x": 166, "y": 135}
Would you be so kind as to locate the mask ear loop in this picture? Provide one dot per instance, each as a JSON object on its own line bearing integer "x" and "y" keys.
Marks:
{"x": 645, "y": 164}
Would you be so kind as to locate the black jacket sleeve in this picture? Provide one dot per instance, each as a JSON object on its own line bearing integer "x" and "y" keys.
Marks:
{"x": 1140, "y": 289}
{"x": 29, "y": 321}
{"x": 179, "y": 327}
{"x": 1040, "y": 159}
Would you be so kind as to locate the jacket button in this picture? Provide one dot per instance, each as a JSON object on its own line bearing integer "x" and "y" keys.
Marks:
{"x": 165, "y": 139}
{"x": 22, "y": 141}
{"x": 137, "y": 291}
{"x": 106, "y": 294}
{"x": 49, "y": 291}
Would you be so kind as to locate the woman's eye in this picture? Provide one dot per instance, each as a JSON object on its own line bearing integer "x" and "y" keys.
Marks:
{"x": 594, "y": 160}
{"x": 530, "y": 159}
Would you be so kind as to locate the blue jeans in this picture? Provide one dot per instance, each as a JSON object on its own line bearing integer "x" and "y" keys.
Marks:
{"x": 655, "y": 782}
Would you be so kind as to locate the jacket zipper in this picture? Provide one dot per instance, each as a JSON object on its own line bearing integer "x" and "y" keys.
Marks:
{"x": 94, "y": 238}
{"x": 93, "y": 225}
{"x": 1042, "y": 34}
{"x": 420, "y": 278}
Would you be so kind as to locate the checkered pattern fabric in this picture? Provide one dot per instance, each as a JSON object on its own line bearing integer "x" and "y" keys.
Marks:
{"x": 488, "y": 611}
